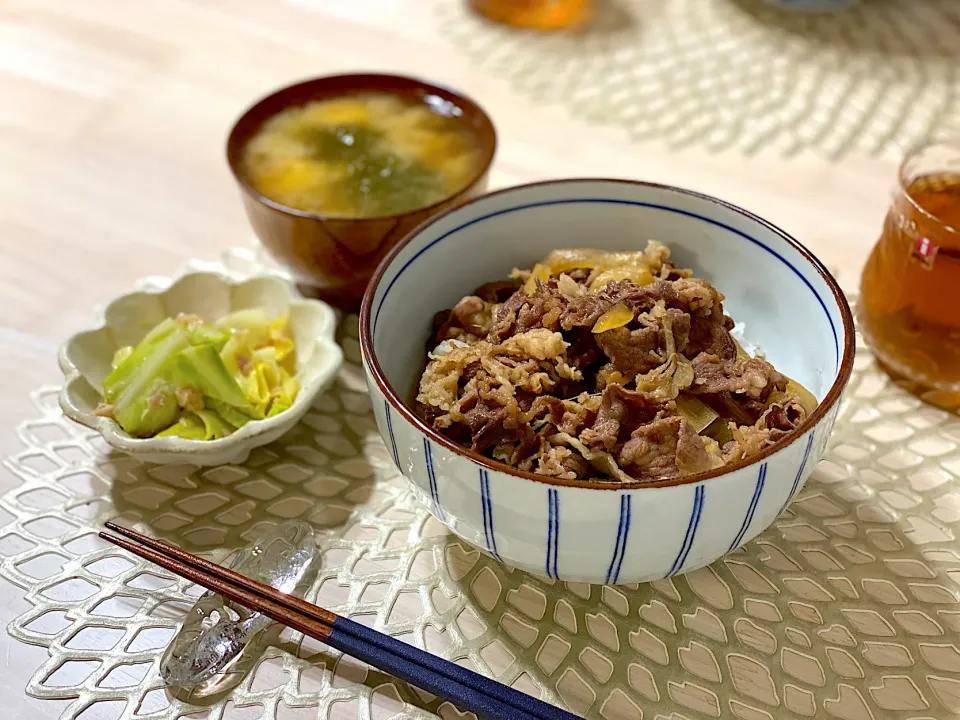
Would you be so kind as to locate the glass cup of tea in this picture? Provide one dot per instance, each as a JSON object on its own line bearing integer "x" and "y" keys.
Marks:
{"x": 909, "y": 307}
{"x": 535, "y": 14}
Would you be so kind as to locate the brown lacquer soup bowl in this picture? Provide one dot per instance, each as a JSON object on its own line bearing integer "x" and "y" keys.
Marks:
{"x": 333, "y": 257}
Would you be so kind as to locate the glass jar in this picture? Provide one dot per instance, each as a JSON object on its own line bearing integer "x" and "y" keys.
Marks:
{"x": 535, "y": 14}
{"x": 909, "y": 307}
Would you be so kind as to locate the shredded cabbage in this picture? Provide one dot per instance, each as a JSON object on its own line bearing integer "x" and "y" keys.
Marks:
{"x": 198, "y": 380}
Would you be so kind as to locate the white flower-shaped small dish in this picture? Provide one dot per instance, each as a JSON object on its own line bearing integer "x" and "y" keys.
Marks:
{"x": 85, "y": 360}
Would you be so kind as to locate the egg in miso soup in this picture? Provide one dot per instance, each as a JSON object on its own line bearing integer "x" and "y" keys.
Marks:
{"x": 365, "y": 155}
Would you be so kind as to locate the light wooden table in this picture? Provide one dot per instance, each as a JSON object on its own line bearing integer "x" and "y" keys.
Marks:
{"x": 113, "y": 117}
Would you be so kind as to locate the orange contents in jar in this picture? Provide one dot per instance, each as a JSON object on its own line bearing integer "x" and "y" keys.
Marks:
{"x": 910, "y": 290}
{"x": 535, "y": 14}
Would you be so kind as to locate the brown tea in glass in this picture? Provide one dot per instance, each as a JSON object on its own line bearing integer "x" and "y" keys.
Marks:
{"x": 535, "y": 14}
{"x": 909, "y": 308}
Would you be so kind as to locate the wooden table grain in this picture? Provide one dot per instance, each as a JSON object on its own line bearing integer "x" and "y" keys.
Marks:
{"x": 113, "y": 117}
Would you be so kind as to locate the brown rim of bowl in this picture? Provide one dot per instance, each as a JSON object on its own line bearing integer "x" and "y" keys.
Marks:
{"x": 364, "y": 82}
{"x": 832, "y": 396}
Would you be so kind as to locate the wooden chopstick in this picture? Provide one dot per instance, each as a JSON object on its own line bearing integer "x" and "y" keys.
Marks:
{"x": 465, "y": 688}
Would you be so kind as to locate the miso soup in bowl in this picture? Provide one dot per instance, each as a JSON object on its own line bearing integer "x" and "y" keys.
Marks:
{"x": 363, "y": 156}
{"x": 334, "y": 171}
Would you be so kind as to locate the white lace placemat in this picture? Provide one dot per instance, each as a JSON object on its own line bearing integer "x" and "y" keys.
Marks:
{"x": 847, "y": 607}
{"x": 739, "y": 74}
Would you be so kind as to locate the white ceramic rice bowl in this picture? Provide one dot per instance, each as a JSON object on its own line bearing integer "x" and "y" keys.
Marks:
{"x": 588, "y": 531}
